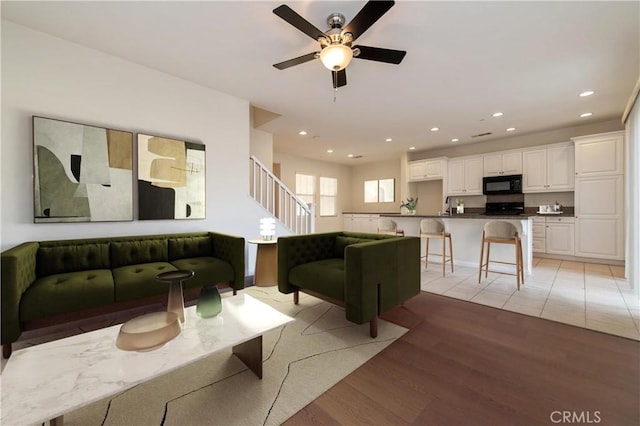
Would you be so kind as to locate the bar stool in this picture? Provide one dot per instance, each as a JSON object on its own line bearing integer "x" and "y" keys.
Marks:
{"x": 500, "y": 232}
{"x": 389, "y": 226}
{"x": 433, "y": 228}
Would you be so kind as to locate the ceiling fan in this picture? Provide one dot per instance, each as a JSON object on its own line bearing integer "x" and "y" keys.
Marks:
{"x": 336, "y": 43}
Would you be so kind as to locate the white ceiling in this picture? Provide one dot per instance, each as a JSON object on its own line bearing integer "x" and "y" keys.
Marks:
{"x": 465, "y": 61}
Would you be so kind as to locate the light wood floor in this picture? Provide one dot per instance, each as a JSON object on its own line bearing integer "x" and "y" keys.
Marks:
{"x": 462, "y": 363}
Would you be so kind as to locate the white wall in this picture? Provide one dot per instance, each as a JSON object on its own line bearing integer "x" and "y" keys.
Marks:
{"x": 632, "y": 188}
{"x": 390, "y": 169}
{"x": 46, "y": 76}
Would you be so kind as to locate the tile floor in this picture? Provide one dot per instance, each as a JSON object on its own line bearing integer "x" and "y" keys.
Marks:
{"x": 586, "y": 295}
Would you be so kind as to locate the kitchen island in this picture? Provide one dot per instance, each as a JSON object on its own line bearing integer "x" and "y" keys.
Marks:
{"x": 466, "y": 234}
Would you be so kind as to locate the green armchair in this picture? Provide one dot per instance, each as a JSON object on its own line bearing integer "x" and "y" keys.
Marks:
{"x": 367, "y": 274}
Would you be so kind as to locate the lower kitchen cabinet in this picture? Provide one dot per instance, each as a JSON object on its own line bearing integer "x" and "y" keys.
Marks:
{"x": 559, "y": 235}
{"x": 553, "y": 235}
{"x": 360, "y": 222}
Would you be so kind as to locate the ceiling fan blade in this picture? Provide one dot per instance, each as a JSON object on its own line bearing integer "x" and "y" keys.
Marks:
{"x": 289, "y": 15}
{"x": 339, "y": 78}
{"x": 379, "y": 54}
{"x": 297, "y": 61}
{"x": 368, "y": 15}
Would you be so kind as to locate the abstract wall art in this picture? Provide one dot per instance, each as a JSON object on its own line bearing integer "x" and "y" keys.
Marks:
{"x": 171, "y": 179}
{"x": 81, "y": 173}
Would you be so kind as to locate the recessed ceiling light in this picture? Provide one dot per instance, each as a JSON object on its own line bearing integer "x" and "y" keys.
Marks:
{"x": 511, "y": 129}
{"x": 350, "y": 155}
{"x": 389, "y": 140}
{"x": 302, "y": 133}
{"x": 586, "y": 114}
{"x": 434, "y": 129}
{"x": 455, "y": 140}
{"x": 330, "y": 151}
{"x": 497, "y": 114}
{"x": 587, "y": 93}
{"x": 412, "y": 148}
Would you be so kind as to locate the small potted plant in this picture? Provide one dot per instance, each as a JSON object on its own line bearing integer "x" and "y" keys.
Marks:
{"x": 410, "y": 205}
{"x": 459, "y": 206}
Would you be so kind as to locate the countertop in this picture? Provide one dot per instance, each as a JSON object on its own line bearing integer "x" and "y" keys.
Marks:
{"x": 478, "y": 213}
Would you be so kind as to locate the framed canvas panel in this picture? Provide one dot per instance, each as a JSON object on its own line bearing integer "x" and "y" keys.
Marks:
{"x": 81, "y": 173}
{"x": 171, "y": 179}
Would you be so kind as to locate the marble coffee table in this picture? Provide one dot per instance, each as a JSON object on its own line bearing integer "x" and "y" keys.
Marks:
{"x": 45, "y": 381}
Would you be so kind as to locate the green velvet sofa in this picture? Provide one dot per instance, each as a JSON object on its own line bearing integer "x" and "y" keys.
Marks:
{"x": 368, "y": 274}
{"x": 51, "y": 282}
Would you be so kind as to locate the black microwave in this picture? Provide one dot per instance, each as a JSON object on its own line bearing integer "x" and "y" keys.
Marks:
{"x": 495, "y": 185}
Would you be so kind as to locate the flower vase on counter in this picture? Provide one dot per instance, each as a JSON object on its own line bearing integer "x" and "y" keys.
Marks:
{"x": 410, "y": 205}
{"x": 459, "y": 207}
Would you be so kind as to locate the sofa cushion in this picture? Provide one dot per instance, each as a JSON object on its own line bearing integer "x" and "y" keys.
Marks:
{"x": 137, "y": 281}
{"x": 125, "y": 253}
{"x": 181, "y": 248}
{"x": 72, "y": 258}
{"x": 205, "y": 268}
{"x": 324, "y": 276}
{"x": 341, "y": 242}
{"x": 67, "y": 292}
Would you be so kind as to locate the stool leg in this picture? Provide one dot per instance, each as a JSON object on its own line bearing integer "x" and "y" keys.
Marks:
{"x": 517, "y": 263}
{"x": 521, "y": 260}
{"x": 451, "y": 253}
{"x": 481, "y": 258}
{"x": 486, "y": 265}
{"x": 426, "y": 257}
{"x": 444, "y": 255}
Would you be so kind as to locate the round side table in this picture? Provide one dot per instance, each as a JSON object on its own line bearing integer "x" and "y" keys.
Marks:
{"x": 266, "y": 273}
{"x": 175, "y": 303}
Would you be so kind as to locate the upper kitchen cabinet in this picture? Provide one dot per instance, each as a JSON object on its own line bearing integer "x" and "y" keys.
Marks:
{"x": 503, "y": 163}
{"x": 548, "y": 169}
{"x": 427, "y": 169}
{"x": 599, "y": 155}
{"x": 465, "y": 176}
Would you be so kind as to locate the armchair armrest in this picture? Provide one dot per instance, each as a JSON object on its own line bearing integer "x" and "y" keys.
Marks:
{"x": 393, "y": 265}
{"x": 230, "y": 248}
{"x": 18, "y": 273}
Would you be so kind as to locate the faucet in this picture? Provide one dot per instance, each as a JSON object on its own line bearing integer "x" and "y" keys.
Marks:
{"x": 448, "y": 203}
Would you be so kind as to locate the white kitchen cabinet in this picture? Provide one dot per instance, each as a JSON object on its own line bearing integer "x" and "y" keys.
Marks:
{"x": 502, "y": 163}
{"x": 548, "y": 169}
{"x": 356, "y": 222}
{"x": 426, "y": 169}
{"x": 465, "y": 176}
{"x": 539, "y": 234}
{"x": 599, "y": 217}
{"x": 599, "y": 155}
{"x": 559, "y": 238}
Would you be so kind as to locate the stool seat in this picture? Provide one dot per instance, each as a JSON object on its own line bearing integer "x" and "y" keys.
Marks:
{"x": 434, "y": 228}
{"x": 500, "y": 232}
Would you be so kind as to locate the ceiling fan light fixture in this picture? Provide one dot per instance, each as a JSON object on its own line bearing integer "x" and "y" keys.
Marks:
{"x": 336, "y": 57}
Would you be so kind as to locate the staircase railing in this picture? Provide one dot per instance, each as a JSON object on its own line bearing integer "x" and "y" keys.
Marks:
{"x": 280, "y": 201}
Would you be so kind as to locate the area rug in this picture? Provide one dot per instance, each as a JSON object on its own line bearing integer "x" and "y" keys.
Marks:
{"x": 301, "y": 361}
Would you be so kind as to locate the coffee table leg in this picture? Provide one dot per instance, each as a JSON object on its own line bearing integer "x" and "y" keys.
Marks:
{"x": 250, "y": 352}
{"x": 176, "y": 300}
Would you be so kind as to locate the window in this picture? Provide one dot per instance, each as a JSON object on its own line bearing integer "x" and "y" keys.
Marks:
{"x": 305, "y": 188}
{"x": 379, "y": 191}
{"x": 328, "y": 196}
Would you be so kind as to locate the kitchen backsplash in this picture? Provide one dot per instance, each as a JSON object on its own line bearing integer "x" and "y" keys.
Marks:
{"x": 544, "y": 198}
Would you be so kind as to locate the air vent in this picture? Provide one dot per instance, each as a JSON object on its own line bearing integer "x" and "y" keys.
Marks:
{"x": 481, "y": 134}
